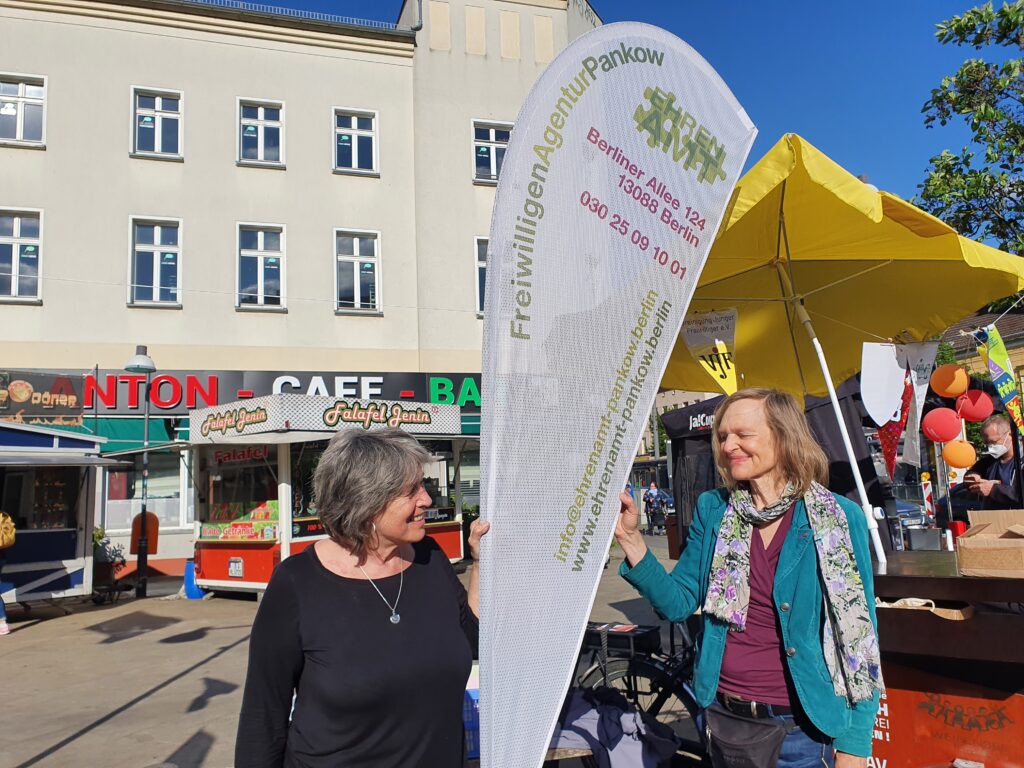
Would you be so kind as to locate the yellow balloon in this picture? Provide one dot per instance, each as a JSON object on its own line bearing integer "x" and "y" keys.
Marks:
{"x": 959, "y": 454}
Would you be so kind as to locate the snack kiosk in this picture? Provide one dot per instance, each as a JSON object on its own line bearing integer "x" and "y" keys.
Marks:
{"x": 253, "y": 464}
{"x": 48, "y": 485}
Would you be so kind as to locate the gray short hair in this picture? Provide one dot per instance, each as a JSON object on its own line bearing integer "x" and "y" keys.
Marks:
{"x": 358, "y": 475}
{"x": 997, "y": 420}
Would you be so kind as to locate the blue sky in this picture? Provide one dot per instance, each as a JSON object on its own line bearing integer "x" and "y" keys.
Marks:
{"x": 851, "y": 78}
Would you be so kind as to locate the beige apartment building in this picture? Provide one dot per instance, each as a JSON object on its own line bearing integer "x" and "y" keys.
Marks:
{"x": 272, "y": 201}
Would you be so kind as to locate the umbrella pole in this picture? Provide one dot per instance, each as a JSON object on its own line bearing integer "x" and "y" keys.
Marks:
{"x": 869, "y": 515}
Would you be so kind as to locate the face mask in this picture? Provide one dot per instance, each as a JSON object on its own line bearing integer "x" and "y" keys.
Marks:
{"x": 997, "y": 451}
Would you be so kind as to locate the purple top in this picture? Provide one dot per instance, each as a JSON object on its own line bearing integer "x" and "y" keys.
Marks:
{"x": 752, "y": 666}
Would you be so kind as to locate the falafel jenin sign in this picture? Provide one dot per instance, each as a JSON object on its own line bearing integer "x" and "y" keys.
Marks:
{"x": 618, "y": 172}
{"x": 41, "y": 399}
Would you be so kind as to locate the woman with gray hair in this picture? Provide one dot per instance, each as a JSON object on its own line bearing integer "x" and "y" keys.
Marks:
{"x": 363, "y": 643}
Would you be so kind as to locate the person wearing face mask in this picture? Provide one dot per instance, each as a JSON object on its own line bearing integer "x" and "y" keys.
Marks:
{"x": 994, "y": 477}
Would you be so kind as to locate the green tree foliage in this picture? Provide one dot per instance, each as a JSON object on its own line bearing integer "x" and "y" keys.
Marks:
{"x": 980, "y": 190}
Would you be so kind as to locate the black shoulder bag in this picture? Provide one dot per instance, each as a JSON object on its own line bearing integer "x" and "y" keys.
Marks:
{"x": 735, "y": 741}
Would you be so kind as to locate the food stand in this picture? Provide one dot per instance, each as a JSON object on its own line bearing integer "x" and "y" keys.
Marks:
{"x": 251, "y": 454}
{"x": 954, "y": 675}
{"x": 48, "y": 486}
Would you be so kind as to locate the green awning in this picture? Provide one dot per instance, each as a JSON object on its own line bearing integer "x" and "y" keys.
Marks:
{"x": 125, "y": 433}
{"x": 471, "y": 423}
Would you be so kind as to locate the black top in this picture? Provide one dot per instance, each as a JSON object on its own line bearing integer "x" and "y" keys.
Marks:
{"x": 368, "y": 692}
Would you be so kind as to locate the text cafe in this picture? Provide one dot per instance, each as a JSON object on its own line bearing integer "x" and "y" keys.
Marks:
{"x": 253, "y": 462}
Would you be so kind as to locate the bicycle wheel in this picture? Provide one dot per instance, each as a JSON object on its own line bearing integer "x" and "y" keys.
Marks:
{"x": 651, "y": 686}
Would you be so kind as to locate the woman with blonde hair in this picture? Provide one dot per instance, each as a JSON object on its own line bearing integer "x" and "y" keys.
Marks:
{"x": 788, "y": 663}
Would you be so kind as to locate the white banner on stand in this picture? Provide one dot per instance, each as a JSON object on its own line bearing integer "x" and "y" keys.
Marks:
{"x": 618, "y": 173}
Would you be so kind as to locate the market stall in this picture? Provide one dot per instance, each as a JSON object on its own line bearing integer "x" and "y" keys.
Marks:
{"x": 954, "y": 674}
{"x": 48, "y": 487}
{"x": 253, "y": 466}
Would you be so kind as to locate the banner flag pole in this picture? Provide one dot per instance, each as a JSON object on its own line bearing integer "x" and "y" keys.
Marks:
{"x": 618, "y": 173}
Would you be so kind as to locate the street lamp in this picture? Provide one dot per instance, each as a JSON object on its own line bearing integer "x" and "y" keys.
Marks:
{"x": 141, "y": 362}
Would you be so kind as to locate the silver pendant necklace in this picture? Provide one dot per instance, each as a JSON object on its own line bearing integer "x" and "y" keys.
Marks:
{"x": 395, "y": 618}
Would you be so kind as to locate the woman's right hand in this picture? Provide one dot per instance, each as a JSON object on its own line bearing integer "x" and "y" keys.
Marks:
{"x": 627, "y": 530}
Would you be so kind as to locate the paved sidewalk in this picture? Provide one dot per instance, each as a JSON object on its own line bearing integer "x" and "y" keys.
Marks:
{"x": 153, "y": 682}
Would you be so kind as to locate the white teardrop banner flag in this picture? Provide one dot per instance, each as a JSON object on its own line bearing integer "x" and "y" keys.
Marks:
{"x": 619, "y": 170}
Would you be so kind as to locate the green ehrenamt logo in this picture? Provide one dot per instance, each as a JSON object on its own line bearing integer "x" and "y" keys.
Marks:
{"x": 672, "y": 128}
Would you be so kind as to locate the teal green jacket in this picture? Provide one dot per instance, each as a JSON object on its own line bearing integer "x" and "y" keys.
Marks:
{"x": 798, "y": 604}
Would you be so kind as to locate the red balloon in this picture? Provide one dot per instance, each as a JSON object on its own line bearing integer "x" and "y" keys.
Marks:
{"x": 941, "y": 425}
{"x": 974, "y": 405}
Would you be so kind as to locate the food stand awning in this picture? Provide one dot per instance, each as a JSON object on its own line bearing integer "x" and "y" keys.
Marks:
{"x": 288, "y": 418}
{"x": 52, "y": 460}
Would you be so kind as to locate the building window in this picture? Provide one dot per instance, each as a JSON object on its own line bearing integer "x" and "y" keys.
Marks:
{"x": 163, "y": 492}
{"x": 261, "y": 132}
{"x": 157, "y": 128}
{"x": 358, "y": 273}
{"x": 22, "y": 102}
{"x": 490, "y": 140}
{"x": 355, "y": 141}
{"x": 156, "y": 262}
{"x": 20, "y": 241}
{"x": 481, "y": 273}
{"x": 260, "y": 265}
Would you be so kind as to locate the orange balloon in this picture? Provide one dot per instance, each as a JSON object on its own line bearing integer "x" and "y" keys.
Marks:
{"x": 949, "y": 380}
{"x": 959, "y": 454}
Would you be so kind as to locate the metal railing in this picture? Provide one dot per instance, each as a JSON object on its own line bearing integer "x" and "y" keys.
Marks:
{"x": 293, "y": 13}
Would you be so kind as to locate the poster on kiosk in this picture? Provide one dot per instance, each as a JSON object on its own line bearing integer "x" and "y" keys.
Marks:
{"x": 619, "y": 170}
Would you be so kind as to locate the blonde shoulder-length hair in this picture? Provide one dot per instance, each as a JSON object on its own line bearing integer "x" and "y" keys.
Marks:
{"x": 800, "y": 459}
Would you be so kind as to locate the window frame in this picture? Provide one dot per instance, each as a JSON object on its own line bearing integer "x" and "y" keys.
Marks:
{"x": 38, "y": 298}
{"x": 493, "y": 125}
{"x": 476, "y": 273}
{"x": 375, "y": 133}
{"x": 24, "y": 78}
{"x": 186, "y": 501}
{"x": 158, "y": 221}
{"x": 241, "y": 101}
{"x": 377, "y": 311}
{"x": 133, "y": 150}
{"x": 261, "y": 307}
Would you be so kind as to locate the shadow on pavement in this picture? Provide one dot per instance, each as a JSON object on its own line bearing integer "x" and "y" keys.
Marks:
{"x": 198, "y": 634}
{"x": 131, "y": 625}
{"x": 212, "y": 687}
{"x": 35, "y": 759}
{"x": 193, "y": 752}
{"x": 637, "y": 610}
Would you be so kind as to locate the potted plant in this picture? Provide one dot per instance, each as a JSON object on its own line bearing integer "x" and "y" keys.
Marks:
{"x": 107, "y": 559}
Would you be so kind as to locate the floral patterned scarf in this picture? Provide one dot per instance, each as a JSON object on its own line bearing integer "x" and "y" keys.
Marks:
{"x": 849, "y": 640}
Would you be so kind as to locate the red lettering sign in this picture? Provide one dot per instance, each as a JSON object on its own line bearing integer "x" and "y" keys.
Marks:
{"x": 107, "y": 397}
{"x": 173, "y": 388}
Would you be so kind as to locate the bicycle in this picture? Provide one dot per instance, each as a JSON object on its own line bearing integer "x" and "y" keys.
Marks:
{"x": 630, "y": 658}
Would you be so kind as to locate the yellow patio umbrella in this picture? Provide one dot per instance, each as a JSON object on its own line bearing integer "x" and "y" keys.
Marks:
{"x": 808, "y": 244}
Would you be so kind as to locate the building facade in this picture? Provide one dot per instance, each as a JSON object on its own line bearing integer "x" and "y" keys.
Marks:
{"x": 271, "y": 201}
